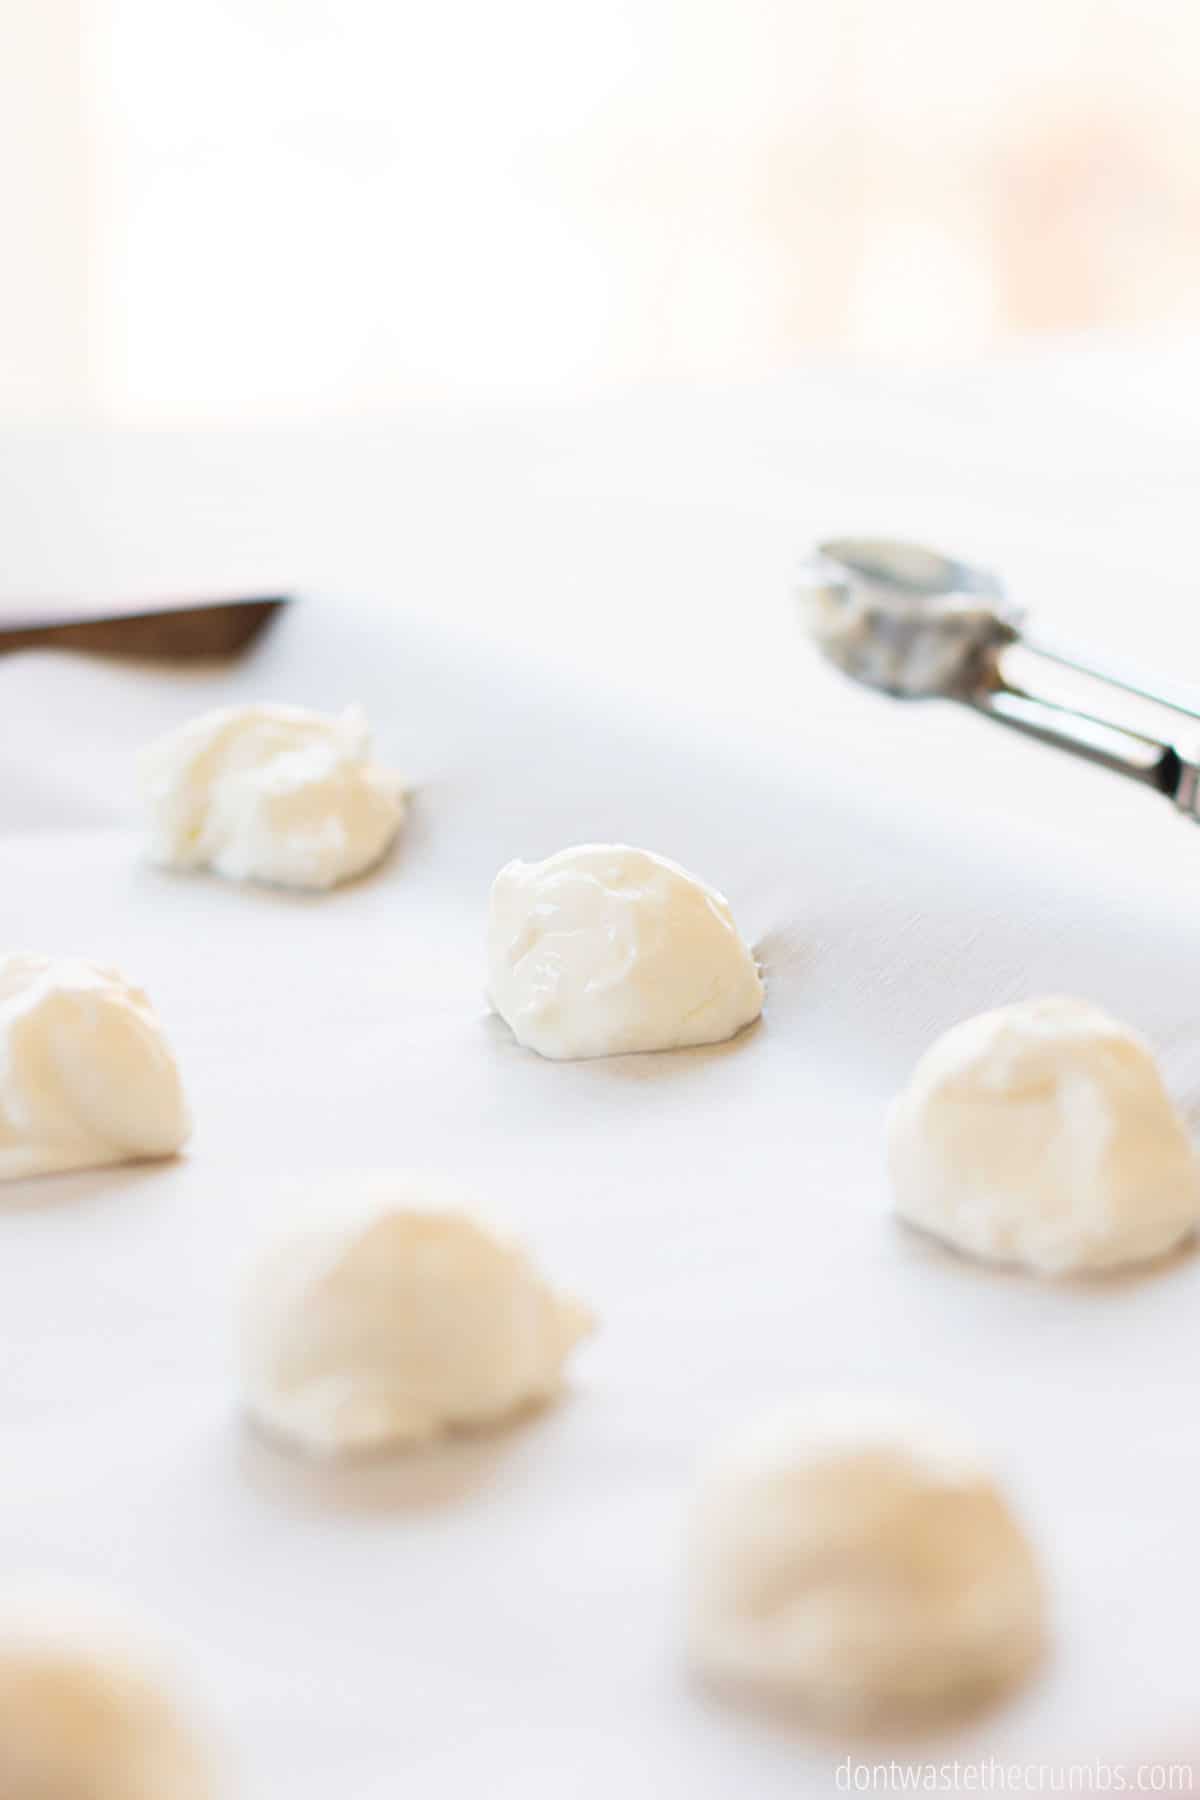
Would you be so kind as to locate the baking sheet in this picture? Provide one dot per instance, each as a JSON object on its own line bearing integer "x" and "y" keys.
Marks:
{"x": 502, "y": 1616}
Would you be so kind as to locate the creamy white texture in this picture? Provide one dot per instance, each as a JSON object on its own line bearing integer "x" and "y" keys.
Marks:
{"x": 405, "y": 1321}
{"x": 271, "y": 793}
{"x": 857, "y": 1559}
{"x": 603, "y": 949}
{"x": 86, "y": 1075}
{"x": 1042, "y": 1134}
{"x": 85, "y": 1717}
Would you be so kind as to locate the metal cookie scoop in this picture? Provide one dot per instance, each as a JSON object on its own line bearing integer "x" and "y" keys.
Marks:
{"x": 915, "y": 624}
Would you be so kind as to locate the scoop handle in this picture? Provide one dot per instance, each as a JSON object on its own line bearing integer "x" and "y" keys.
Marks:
{"x": 1120, "y": 721}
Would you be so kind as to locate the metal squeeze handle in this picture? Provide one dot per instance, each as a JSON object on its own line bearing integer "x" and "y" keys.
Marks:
{"x": 913, "y": 623}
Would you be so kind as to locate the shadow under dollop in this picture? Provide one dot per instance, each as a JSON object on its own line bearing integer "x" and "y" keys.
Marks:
{"x": 631, "y": 1066}
{"x": 419, "y": 1478}
{"x": 100, "y": 1186}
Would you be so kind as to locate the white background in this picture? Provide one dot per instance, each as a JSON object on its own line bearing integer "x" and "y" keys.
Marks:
{"x": 238, "y": 209}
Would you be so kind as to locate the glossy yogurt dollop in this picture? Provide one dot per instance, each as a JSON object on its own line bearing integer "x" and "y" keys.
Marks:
{"x": 604, "y": 949}
{"x": 86, "y": 1075}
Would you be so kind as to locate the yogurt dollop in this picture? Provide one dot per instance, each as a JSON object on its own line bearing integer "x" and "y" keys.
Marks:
{"x": 394, "y": 1319}
{"x": 604, "y": 949}
{"x": 271, "y": 793}
{"x": 1042, "y": 1134}
{"x": 86, "y": 1075}
{"x": 89, "y": 1707}
{"x": 859, "y": 1558}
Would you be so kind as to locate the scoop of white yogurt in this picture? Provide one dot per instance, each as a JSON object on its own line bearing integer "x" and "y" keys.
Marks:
{"x": 86, "y": 1075}
{"x": 271, "y": 793}
{"x": 1042, "y": 1134}
{"x": 90, "y": 1708}
{"x": 394, "y": 1318}
{"x": 855, "y": 1556}
{"x": 603, "y": 949}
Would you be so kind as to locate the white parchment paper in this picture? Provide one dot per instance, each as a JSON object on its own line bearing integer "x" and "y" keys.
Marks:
{"x": 502, "y": 1617}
